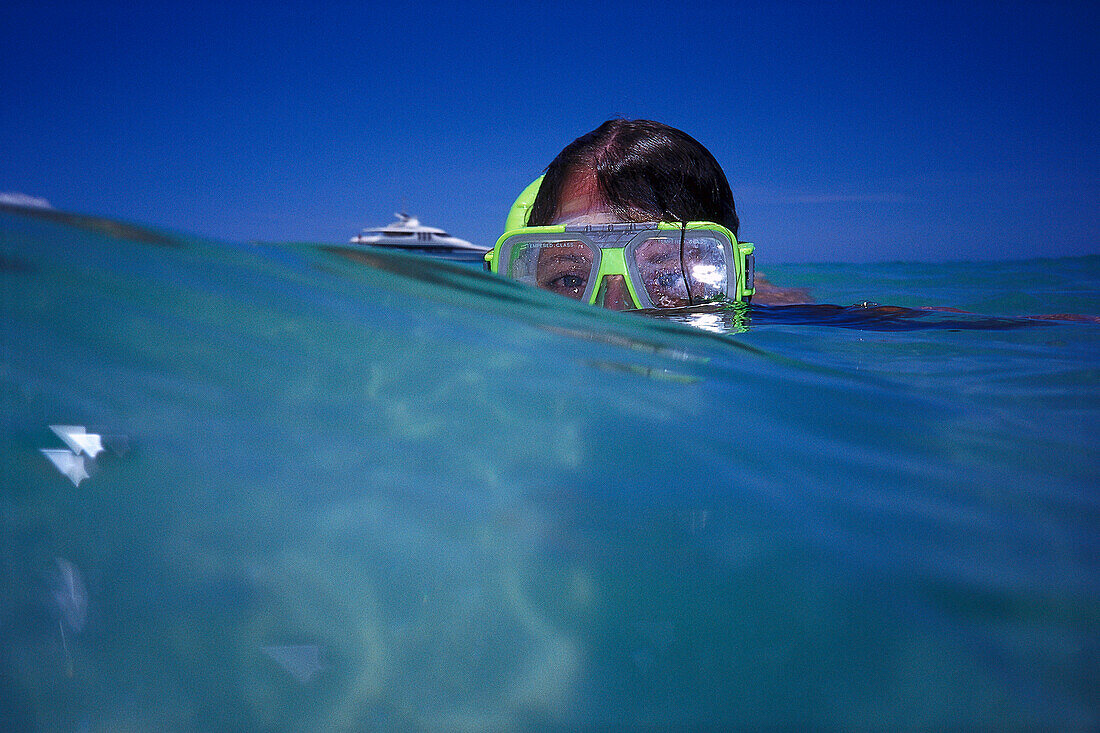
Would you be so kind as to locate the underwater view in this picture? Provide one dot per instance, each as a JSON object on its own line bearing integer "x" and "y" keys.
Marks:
{"x": 258, "y": 486}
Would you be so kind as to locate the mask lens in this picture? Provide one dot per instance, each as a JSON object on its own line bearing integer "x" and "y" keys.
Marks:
{"x": 658, "y": 262}
{"x": 659, "y": 265}
{"x": 706, "y": 267}
{"x": 563, "y": 267}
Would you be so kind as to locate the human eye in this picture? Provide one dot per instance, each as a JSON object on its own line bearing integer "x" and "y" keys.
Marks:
{"x": 667, "y": 279}
{"x": 564, "y": 268}
{"x": 565, "y": 280}
{"x": 567, "y": 283}
{"x": 666, "y": 288}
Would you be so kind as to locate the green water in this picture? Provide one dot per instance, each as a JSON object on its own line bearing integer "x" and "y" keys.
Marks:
{"x": 349, "y": 490}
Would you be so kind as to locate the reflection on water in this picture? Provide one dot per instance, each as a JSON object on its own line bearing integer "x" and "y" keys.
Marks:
{"x": 301, "y": 661}
{"x": 371, "y": 491}
{"x": 78, "y": 440}
{"x": 71, "y": 603}
{"x": 69, "y": 464}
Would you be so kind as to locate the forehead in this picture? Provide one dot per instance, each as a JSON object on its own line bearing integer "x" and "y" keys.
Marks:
{"x": 580, "y": 201}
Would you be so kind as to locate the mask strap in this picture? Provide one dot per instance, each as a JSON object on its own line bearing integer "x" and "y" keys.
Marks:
{"x": 683, "y": 271}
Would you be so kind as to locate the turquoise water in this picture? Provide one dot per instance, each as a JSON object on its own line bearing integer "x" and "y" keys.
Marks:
{"x": 343, "y": 489}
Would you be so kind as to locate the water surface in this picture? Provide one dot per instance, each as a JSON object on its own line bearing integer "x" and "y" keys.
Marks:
{"x": 341, "y": 488}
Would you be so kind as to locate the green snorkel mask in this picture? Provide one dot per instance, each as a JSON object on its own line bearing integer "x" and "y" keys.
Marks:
{"x": 664, "y": 265}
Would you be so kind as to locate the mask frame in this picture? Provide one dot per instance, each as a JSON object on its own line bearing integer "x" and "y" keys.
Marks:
{"x": 610, "y": 243}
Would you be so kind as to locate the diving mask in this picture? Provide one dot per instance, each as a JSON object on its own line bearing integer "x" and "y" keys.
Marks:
{"x": 663, "y": 265}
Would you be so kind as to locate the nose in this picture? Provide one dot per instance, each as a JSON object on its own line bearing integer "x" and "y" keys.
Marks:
{"x": 616, "y": 295}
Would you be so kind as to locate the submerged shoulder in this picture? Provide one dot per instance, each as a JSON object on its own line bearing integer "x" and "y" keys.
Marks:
{"x": 769, "y": 294}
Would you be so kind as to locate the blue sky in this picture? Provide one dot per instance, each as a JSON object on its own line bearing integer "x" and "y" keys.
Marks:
{"x": 849, "y": 131}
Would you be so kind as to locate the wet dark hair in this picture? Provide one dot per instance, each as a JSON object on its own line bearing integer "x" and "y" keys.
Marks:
{"x": 645, "y": 171}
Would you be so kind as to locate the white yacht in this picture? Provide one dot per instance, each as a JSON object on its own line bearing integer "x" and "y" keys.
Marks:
{"x": 407, "y": 233}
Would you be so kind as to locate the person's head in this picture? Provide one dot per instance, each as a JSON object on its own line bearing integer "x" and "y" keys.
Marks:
{"x": 635, "y": 214}
{"x": 633, "y": 171}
